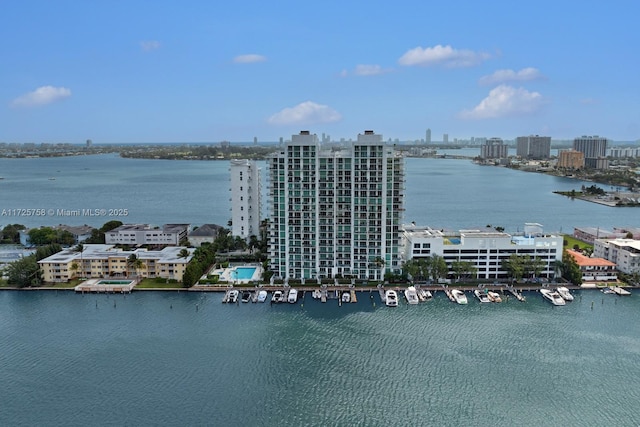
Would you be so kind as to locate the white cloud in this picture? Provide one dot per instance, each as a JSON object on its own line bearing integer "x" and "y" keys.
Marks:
{"x": 505, "y": 101}
{"x": 149, "y": 45}
{"x": 369, "y": 70}
{"x": 41, "y": 96}
{"x": 442, "y": 55}
{"x": 305, "y": 113}
{"x": 505, "y": 76}
{"x": 249, "y": 59}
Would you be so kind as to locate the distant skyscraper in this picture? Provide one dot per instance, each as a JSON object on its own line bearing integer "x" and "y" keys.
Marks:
{"x": 445, "y": 138}
{"x": 533, "y": 147}
{"x": 594, "y": 148}
{"x": 255, "y": 139}
{"x": 427, "y": 138}
{"x": 245, "y": 198}
{"x": 494, "y": 148}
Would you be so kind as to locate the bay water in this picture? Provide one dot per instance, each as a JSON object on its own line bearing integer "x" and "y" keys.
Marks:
{"x": 168, "y": 358}
{"x": 183, "y": 358}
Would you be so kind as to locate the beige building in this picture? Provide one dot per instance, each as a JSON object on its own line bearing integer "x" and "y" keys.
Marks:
{"x": 570, "y": 159}
{"x": 100, "y": 261}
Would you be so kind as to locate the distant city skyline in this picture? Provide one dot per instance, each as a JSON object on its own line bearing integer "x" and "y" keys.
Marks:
{"x": 136, "y": 72}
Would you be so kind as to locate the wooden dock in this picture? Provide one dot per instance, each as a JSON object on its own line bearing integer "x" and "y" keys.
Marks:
{"x": 354, "y": 298}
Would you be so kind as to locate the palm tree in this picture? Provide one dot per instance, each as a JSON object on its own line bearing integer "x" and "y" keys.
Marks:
{"x": 184, "y": 253}
{"x": 379, "y": 262}
{"x": 74, "y": 269}
{"x": 135, "y": 263}
{"x": 80, "y": 248}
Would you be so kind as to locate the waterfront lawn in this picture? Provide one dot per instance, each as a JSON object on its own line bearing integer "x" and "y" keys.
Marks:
{"x": 571, "y": 242}
{"x": 158, "y": 284}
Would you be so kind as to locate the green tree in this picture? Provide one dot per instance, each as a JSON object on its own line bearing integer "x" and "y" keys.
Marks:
{"x": 571, "y": 269}
{"x": 438, "y": 267}
{"x": 463, "y": 269}
{"x": 24, "y": 272}
{"x": 11, "y": 234}
{"x": 134, "y": 263}
{"x": 514, "y": 266}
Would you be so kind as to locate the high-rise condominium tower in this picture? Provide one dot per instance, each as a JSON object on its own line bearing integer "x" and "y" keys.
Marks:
{"x": 245, "y": 198}
{"x": 335, "y": 213}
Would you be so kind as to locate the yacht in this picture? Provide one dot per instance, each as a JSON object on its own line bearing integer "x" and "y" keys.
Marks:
{"x": 411, "y": 295}
{"x": 391, "y": 298}
{"x": 233, "y": 296}
{"x": 564, "y": 293}
{"x": 553, "y": 297}
{"x": 276, "y": 297}
{"x": 262, "y": 296}
{"x": 292, "y": 298}
{"x": 459, "y": 296}
{"x": 424, "y": 295}
{"x": 494, "y": 296}
{"x": 346, "y": 297}
{"x": 317, "y": 294}
{"x": 481, "y": 295}
{"x": 246, "y": 296}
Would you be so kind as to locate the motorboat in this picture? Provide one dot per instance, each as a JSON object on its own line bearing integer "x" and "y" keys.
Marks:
{"x": 292, "y": 297}
{"x": 391, "y": 298}
{"x": 277, "y": 297}
{"x": 411, "y": 295}
{"x": 246, "y": 296}
{"x": 494, "y": 296}
{"x": 233, "y": 296}
{"x": 553, "y": 297}
{"x": 618, "y": 290}
{"x": 564, "y": 293}
{"x": 459, "y": 296}
{"x": 346, "y": 297}
{"x": 481, "y": 295}
{"x": 424, "y": 295}
{"x": 317, "y": 294}
{"x": 262, "y": 296}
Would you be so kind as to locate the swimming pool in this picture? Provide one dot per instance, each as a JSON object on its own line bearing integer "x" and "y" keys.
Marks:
{"x": 114, "y": 282}
{"x": 243, "y": 273}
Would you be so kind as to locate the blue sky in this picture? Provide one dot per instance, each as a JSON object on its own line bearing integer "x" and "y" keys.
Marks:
{"x": 202, "y": 71}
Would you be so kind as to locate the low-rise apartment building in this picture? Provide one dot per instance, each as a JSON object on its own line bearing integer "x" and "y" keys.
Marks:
{"x": 594, "y": 269}
{"x": 99, "y": 261}
{"x": 145, "y": 234}
{"x": 486, "y": 249}
{"x": 624, "y": 253}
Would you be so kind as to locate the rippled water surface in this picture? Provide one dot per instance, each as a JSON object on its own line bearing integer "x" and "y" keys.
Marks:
{"x": 186, "y": 359}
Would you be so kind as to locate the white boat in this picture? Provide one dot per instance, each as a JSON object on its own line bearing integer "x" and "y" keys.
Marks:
{"x": 459, "y": 296}
{"x": 276, "y": 297}
{"x": 494, "y": 296}
{"x": 618, "y": 290}
{"x": 391, "y": 298}
{"x": 317, "y": 294}
{"x": 292, "y": 298}
{"x": 346, "y": 297}
{"x": 553, "y": 297}
{"x": 424, "y": 295}
{"x": 564, "y": 293}
{"x": 262, "y": 296}
{"x": 411, "y": 295}
{"x": 233, "y": 296}
{"x": 481, "y": 295}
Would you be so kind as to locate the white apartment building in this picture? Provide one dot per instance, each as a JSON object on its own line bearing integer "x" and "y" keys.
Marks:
{"x": 625, "y": 253}
{"x": 486, "y": 249}
{"x": 335, "y": 212}
{"x": 145, "y": 234}
{"x": 245, "y": 198}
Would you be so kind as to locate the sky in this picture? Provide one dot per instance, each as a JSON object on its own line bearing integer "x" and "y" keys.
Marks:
{"x": 202, "y": 71}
